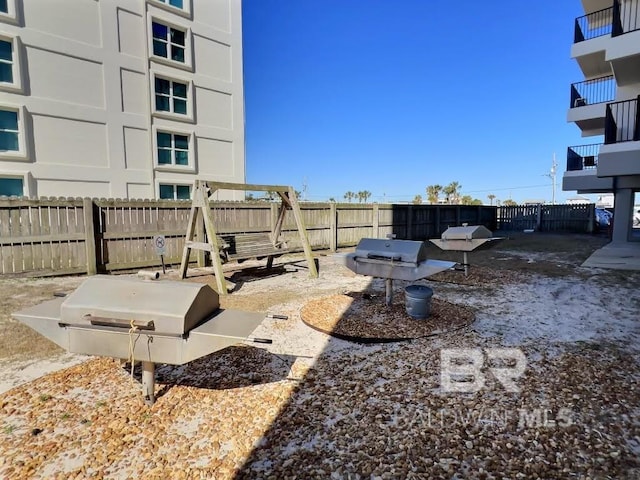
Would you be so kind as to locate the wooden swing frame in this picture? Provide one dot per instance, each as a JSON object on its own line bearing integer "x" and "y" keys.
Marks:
{"x": 202, "y": 194}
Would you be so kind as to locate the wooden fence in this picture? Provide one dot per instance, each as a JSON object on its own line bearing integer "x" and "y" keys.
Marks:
{"x": 579, "y": 218}
{"x": 67, "y": 236}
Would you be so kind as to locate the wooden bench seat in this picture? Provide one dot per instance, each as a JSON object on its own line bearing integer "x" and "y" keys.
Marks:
{"x": 243, "y": 246}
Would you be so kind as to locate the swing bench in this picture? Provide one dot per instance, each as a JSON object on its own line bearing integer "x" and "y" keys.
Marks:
{"x": 225, "y": 247}
{"x": 243, "y": 246}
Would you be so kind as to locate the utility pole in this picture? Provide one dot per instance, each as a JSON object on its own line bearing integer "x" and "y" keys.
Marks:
{"x": 552, "y": 176}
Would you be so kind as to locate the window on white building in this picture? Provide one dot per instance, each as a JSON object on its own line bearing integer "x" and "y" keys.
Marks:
{"x": 12, "y": 133}
{"x": 173, "y": 148}
{"x": 9, "y": 131}
{"x": 175, "y": 192}
{"x": 169, "y": 42}
{"x": 6, "y": 60}
{"x": 10, "y": 64}
{"x": 180, "y": 7}
{"x": 11, "y": 186}
{"x": 8, "y": 11}
{"x": 171, "y": 96}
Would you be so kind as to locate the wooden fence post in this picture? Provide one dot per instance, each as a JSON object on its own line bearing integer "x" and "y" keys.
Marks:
{"x": 89, "y": 236}
{"x": 538, "y": 217}
{"x": 375, "y": 224}
{"x": 333, "y": 227}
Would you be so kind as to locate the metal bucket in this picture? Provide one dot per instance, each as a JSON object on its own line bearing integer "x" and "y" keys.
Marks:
{"x": 418, "y": 301}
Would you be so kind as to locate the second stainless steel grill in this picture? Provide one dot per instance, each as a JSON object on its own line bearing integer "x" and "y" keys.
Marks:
{"x": 393, "y": 259}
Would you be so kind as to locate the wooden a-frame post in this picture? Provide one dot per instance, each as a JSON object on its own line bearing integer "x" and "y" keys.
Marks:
{"x": 203, "y": 191}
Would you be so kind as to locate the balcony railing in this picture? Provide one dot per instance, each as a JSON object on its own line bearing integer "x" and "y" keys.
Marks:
{"x": 622, "y": 17}
{"x": 583, "y": 157}
{"x": 596, "y": 24}
{"x": 626, "y": 17}
{"x": 622, "y": 122}
{"x": 590, "y": 92}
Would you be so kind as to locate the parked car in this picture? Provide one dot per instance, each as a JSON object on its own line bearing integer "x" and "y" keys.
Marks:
{"x": 603, "y": 218}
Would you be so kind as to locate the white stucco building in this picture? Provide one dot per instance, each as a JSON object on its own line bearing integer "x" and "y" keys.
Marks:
{"x": 606, "y": 105}
{"x": 119, "y": 98}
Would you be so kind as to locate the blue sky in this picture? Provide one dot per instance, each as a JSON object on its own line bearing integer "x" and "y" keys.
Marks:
{"x": 394, "y": 95}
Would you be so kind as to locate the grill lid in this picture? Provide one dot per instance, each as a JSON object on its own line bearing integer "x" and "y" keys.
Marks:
{"x": 466, "y": 233}
{"x": 407, "y": 251}
{"x": 165, "y": 307}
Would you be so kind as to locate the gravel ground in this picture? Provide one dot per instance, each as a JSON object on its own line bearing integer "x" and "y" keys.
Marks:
{"x": 313, "y": 406}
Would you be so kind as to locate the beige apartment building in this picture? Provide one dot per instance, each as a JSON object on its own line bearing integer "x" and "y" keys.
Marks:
{"x": 605, "y": 105}
{"x": 119, "y": 98}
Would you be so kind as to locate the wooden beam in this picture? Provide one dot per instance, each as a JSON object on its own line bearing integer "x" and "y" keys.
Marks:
{"x": 302, "y": 231}
{"x": 247, "y": 187}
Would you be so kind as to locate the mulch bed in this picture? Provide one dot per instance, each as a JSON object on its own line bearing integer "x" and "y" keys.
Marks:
{"x": 477, "y": 277}
{"x": 363, "y": 318}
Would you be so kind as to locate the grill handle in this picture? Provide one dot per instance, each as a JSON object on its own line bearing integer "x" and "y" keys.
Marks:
{"x": 377, "y": 256}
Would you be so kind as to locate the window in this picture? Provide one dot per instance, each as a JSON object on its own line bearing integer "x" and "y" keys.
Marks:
{"x": 12, "y": 142}
{"x": 174, "y": 3}
{"x": 9, "y": 132}
{"x": 6, "y": 60}
{"x": 172, "y": 98}
{"x": 11, "y": 186}
{"x": 10, "y": 64}
{"x": 175, "y": 192}
{"x": 168, "y": 42}
{"x": 181, "y": 7}
{"x": 8, "y": 11}
{"x": 173, "y": 149}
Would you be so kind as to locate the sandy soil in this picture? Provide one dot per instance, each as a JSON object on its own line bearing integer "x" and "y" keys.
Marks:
{"x": 312, "y": 406}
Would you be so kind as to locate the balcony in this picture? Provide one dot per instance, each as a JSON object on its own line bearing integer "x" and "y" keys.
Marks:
{"x": 593, "y": 25}
{"x": 619, "y": 156}
{"x": 601, "y": 45}
{"x": 583, "y": 157}
{"x": 582, "y": 170}
{"x": 588, "y": 104}
{"x": 622, "y": 123}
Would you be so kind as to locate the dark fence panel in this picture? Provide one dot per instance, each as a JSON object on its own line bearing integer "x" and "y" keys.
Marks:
{"x": 577, "y": 218}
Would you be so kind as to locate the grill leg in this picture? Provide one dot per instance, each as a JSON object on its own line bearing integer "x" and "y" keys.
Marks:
{"x": 388, "y": 291}
{"x": 148, "y": 382}
{"x": 466, "y": 264}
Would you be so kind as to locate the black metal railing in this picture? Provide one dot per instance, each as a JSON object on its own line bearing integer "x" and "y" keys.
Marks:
{"x": 622, "y": 122}
{"x": 596, "y": 24}
{"x": 583, "y": 157}
{"x": 590, "y": 92}
{"x": 626, "y": 17}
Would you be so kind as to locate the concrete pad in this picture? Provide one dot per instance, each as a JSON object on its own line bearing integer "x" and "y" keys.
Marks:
{"x": 618, "y": 256}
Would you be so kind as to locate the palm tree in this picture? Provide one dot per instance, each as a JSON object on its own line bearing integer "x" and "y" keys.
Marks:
{"x": 332, "y": 200}
{"x": 452, "y": 192}
{"x": 363, "y": 196}
{"x": 349, "y": 196}
{"x": 509, "y": 203}
{"x": 433, "y": 193}
{"x": 491, "y": 197}
{"x": 417, "y": 199}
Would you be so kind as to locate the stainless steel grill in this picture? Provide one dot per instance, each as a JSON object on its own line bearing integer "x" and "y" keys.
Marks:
{"x": 152, "y": 322}
{"x": 465, "y": 239}
{"x": 393, "y": 260}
